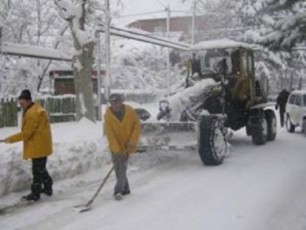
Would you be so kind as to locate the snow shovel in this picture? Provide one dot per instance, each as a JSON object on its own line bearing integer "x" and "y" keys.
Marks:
{"x": 87, "y": 206}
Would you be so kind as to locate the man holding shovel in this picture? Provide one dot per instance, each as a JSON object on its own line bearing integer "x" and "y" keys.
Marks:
{"x": 122, "y": 129}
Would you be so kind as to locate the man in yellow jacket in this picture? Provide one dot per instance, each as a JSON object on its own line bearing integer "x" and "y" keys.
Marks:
{"x": 122, "y": 129}
{"x": 37, "y": 144}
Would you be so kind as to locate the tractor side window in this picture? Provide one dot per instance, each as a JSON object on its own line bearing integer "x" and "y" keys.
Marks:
{"x": 250, "y": 65}
{"x": 298, "y": 100}
{"x": 236, "y": 62}
{"x": 304, "y": 99}
{"x": 292, "y": 99}
{"x": 244, "y": 62}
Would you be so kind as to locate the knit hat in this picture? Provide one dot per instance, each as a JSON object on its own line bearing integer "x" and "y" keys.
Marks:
{"x": 26, "y": 95}
{"x": 115, "y": 97}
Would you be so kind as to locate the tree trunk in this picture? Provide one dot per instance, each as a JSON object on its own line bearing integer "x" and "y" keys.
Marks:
{"x": 83, "y": 84}
{"x": 82, "y": 60}
{"x": 82, "y": 69}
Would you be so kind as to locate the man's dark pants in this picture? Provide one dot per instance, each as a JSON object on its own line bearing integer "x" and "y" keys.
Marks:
{"x": 282, "y": 117}
{"x": 42, "y": 180}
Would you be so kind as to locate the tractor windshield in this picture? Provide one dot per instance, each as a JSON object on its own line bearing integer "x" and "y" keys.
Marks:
{"x": 217, "y": 62}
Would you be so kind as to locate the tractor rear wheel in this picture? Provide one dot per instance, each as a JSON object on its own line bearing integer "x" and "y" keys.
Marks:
{"x": 212, "y": 140}
{"x": 304, "y": 126}
{"x": 271, "y": 124}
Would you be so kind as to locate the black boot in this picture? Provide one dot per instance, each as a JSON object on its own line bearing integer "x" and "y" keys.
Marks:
{"x": 48, "y": 186}
{"x": 31, "y": 197}
{"x": 127, "y": 192}
{"x": 47, "y": 190}
{"x": 35, "y": 193}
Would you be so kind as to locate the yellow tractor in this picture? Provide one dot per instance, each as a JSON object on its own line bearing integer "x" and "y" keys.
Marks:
{"x": 221, "y": 93}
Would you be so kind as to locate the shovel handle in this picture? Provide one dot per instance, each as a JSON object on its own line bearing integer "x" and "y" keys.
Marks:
{"x": 100, "y": 187}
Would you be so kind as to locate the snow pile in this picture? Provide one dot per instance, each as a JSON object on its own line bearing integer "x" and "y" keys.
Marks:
{"x": 78, "y": 148}
{"x": 180, "y": 101}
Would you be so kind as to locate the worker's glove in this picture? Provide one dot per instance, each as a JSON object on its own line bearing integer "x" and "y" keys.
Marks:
{"x": 130, "y": 147}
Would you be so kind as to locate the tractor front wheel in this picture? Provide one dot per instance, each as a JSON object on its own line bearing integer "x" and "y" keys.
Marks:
{"x": 212, "y": 139}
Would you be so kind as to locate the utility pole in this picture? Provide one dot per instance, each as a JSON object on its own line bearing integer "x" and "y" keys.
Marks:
{"x": 98, "y": 66}
{"x": 0, "y": 38}
{"x": 193, "y": 22}
{"x": 168, "y": 51}
{"x": 107, "y": 83}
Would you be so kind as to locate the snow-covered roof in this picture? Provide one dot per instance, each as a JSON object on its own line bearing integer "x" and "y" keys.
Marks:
{"x": 221, "y": 44}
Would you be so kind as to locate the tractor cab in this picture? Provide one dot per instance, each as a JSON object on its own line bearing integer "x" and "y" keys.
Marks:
{"x": 232, "y": 65}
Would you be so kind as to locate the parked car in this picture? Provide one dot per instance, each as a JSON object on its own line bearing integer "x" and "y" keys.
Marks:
{"x": 296, "y": 111}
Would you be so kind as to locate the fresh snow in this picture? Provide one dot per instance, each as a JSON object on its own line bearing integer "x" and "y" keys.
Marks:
{"x": 221, "y": 44}
{"x": 82, "y": 104}
{"x": 179, "y": 101}
{"x": 33, "y": 51}
{"x": 78, "y": 147}
{"x": 257, "y": 187}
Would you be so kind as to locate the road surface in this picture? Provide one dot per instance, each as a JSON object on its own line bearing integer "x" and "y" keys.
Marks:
{"x": 257, "y": 187}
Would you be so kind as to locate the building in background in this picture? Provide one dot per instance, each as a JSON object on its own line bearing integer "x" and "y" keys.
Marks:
{"x": 62, "y": 80}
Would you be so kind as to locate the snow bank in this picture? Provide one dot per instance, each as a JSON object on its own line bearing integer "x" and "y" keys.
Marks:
{"x": 78, "y": 148}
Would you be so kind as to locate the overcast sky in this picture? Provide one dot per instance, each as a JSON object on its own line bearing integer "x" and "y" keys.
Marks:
{"x": 131, "y": 7}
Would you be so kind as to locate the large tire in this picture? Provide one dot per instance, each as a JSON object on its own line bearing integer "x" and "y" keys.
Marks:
{"x": 212, "y": 140}
{"x": 304, "y": 126}
{"x": 272, "y": 124}
{"x": 259, "y": 126}
{"x": 290, "y": 127}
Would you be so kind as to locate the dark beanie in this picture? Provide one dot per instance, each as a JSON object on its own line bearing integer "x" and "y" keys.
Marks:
{"x": 115, "y": 97}
{"x": 26, "y": 95}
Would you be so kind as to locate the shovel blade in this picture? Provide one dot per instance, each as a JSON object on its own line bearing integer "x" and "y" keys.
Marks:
{"x": 85, "y": 208}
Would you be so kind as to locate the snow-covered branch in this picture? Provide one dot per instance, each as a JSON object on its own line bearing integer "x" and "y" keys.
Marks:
{"x": 74, "y": 14}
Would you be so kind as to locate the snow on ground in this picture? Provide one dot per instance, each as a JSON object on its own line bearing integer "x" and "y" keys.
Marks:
{"x": 78, "y": 147}
{"x": 257, "y": 187}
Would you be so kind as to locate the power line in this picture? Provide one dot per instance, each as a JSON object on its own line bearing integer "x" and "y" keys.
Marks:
{"x": 162, "y": 4}
{"x": 139, "y": 14}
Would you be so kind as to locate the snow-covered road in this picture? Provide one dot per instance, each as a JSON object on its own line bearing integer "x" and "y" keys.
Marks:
{"x": 257, "y": 187}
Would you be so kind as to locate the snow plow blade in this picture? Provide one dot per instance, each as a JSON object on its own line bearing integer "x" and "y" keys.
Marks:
{"x": 168, "y": 135}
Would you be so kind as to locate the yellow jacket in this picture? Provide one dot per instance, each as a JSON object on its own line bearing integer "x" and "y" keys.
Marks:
{"x": 35, "y": 133}
{"x": 119, "y": 134}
